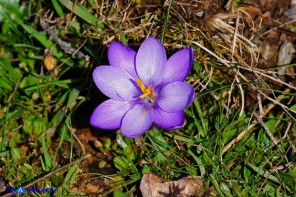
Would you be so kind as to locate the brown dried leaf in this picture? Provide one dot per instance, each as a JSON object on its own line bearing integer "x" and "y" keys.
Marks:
{"x": 49, "y": 62}
{"x": 152, "y": 185}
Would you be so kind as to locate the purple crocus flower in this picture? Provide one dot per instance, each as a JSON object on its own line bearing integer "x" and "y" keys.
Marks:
{"x": 143, "y": 87}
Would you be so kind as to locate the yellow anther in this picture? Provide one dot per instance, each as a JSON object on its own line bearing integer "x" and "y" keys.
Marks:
{"x": 146, "y": 91}
{"x": 141, "y": 84}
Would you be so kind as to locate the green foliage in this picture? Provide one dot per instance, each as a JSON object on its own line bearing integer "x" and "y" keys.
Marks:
{"x": 197, "y": 150}
{"x": 34, "y": 101}
{"x": 83, "y": 13}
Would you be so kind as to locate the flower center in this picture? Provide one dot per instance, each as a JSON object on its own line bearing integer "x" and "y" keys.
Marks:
{"x": 146, "y": 91}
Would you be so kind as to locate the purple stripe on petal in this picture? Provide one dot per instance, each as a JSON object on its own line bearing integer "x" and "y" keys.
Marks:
{"x": 150, "y": 61}
{"x": 115, "y": 83}
{"x": 178, "y": 66}
{"x": 136, "y": 121}
{"x": 122, "y": 56}
{"x": 167, "y": 120}
{"x": 109, "y": 114}
{"x": 175, "y": 96}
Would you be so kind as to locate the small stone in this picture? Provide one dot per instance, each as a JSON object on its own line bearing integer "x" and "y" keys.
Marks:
{"x": 291, "y": 13}
{"x": 35, "y": 96}
{"x": 102, "y": 164}
{"x": 285, "y": 56}
{"x": 91, "y": 188}
{"x": 90, "y": 159}
{"x": 98, "y": 144}
{"x": 51, "y": 131}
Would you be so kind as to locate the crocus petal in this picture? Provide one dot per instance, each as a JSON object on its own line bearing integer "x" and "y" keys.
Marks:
{"x": 109, "y": 114}
{"x": 122, "y": 56}
{"x": 136, "y": 121}
{"x": 150, "y": 61}
{"x": 115, "y": 83}
{"x": 175, "y": 96}
{"x": 178, "y": 66}
{"x": 167, "y": 120}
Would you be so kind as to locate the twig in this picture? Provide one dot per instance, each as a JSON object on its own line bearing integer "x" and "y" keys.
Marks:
{"x": 79, "y": 142}
{"x": 266, "y": 129}
{"x": 287, "y": 130}
{"x": 235, "y": 36}
{"x": 66, "y": 47}
{"x": 282, "y": 167}
{"x": 260, "y": 104}
{"x": 228, "y": 65}
{"x": 247, "y": 130}
{"x": 275, "y": 28}
{"x": 49, "y": 174}
{"x": 244, "y": 77}
{"x": 256, "y": 71}
{"x": 242, "y": 97}
{"x": 14, "y": 91}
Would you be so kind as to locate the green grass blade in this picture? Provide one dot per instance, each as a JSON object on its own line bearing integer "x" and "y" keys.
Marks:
{"x": 263, "y": 173}
{"x": 166, "y": 21}
{"x": 57, "y": 8}
{"x": 42, "y": 38}
{"x": 199, "y": 163}
{"x": 82, "y": 12}
{"x": 46, "y": 154}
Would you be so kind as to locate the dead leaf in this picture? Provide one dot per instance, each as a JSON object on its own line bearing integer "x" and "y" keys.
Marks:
{"x": 154, "y": 186}
{"x": 285, "y": 56}
{"x": 49, "y": 62}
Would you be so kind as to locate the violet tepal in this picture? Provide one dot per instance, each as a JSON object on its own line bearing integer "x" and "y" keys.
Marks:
{"x": 144, "y": 87}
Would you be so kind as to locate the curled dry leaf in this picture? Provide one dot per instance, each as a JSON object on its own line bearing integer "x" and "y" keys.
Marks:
{"x": 152, "y": 185}
{"x": 49, "y": 61}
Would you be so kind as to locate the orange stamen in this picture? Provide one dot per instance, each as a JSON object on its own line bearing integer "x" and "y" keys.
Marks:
{"x": 146, "y": 91}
